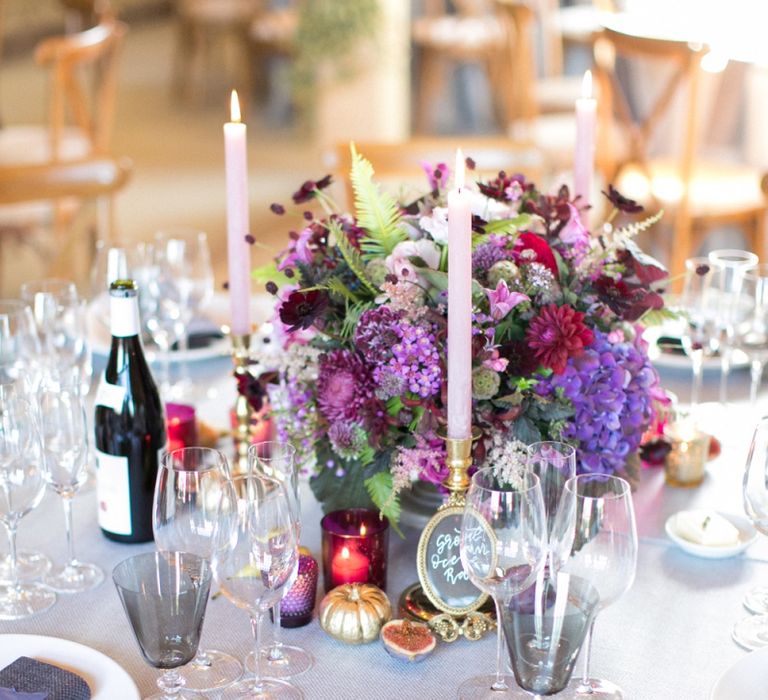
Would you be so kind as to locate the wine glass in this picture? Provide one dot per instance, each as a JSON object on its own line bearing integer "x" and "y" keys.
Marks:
{"x": 164, "y": 595}
{"x": 752, "y": 632}
{"x": 110, "y": 264}
{"x": 729, "y": 267}
{"x": 503, "y": 547}
{"x": 278, "y": 461}
{"x": 193, "y": 492}
{"x": 554, "y": 463}
{"x": 700, "y": 336}
{"x": 595, "y": 541}
{"x": 750, "y": 334}
{"x": 20, "y": 349}
{"x": 65, "y": 449}
{"x": 21, "y": 490}
{"x": 253, "y": 564}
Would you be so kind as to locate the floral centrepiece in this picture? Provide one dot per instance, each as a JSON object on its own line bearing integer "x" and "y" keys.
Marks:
{"x": 360, "y": 380}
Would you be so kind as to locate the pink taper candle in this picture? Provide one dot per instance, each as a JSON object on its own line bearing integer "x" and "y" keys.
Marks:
{"x": 584, "y": 156}
{"x": 459, "y": 307}
{"x": 238, "y": 250}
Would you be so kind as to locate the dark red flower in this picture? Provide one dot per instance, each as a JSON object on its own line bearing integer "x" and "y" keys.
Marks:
{"x": 252, "y": 389}
{"x": 530, "y": 247}
{"x": 554, "y": 210}
{"x": 497, "y": 188}
{"x": 301, "y": 309}
{"x": 309, "y": 188}
{"x": 622, "y": 203}
{"x": 556, "y": 334}
{"x": 276, "y": 208}
{"x": 655, "y": 452}
{"x": 628, "y": 300}
{"x": 521, "y": 360}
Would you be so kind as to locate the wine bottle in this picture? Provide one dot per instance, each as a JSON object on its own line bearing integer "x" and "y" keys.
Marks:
{"x": 129, "y": 424}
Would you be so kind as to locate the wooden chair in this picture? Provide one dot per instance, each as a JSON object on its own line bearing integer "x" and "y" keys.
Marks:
{"x": 697, "y": 192}
{"x": 79, "y": 129}
{"x": 272, "y": 33}
{"x": 473, "y": 34}
{"x": 399, "y": 165}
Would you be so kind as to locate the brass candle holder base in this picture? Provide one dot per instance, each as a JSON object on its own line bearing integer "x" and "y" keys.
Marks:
{"x": 241, "y": 435}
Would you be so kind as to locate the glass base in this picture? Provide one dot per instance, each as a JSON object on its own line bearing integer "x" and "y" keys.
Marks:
{"x": 29, "y": 566}
{"x": 24, "y": 600}
{"x": 292, "y": 661}
{"x": 595, "y": 689}
{"x": 74, "y": 578}
{"x": 751, "y": 632}
{"x": 756, "y": 601}
{"x": 184, "y": 695}
{"x": 482, "y": 688}
{"x": 267, "y": 689}
{"x": 211, "y": 670}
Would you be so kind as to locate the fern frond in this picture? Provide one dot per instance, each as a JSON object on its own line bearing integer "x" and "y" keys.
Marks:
{"x": 336, "y": 286}
{"x": 352, "y": 317}
{"x": 381, "y": 490}
{"x": 351, "y": 257}
{"x": 377, "y": 211}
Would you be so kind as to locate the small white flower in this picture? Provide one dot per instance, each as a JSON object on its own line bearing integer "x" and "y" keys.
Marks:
{"x": 436, "y": 225}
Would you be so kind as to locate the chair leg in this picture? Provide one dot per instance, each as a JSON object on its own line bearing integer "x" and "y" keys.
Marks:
{"x": 431, "y": 79}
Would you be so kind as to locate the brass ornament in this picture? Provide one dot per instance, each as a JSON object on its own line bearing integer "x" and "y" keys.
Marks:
{"x": 353, "y": 613}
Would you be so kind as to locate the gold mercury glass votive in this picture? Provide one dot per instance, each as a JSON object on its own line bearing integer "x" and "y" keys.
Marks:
{"x": 687, "y": 460}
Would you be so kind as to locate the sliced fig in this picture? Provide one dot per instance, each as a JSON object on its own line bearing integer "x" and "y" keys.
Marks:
{"x": 406, "y": 640}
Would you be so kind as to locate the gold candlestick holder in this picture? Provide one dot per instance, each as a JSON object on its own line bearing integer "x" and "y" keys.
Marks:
{"x": 241, "y": 435}
{"x": 445, "y": 598}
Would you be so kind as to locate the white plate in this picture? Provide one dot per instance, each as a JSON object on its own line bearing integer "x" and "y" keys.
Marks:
{"x": 106, "y": 679}
{"x": 216, "y": 311}
{"x": 747, "y": 535}
{"x": 747, "y": 679}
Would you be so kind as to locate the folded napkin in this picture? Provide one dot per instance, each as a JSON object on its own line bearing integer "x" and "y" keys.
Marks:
{"x": 29, "y": 679}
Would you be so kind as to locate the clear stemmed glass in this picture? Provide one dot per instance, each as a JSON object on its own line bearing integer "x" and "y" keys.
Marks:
{"x": 595, "y": 540}
{"x": 752, "y": 632}
{"x": 21, "y": 489}
{"x": 278, "y": 461}
{"x": 65, "y": 449}
{"x": 193, "y": 492}
{"x": 164, "y": 595}
{"x": 253, "y": 563}
{"x": 750, "y": 334}
{"x": 700, "y": 336}
{"x": 554, "y": 463}
{"x": 20, "y": 349}
{"x": 729, "y": 267}
{"x": 503, "y": 548}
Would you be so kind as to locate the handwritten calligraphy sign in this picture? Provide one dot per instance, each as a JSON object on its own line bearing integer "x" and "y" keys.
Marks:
{"x": 441, "y": 573}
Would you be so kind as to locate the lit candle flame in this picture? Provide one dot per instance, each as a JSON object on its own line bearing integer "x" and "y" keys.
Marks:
{"x": 344, "y": 553}
{"x": 234, "y": 107}
{"x": 362, "y": 530}
{"x": 459, "y": 176}
{"x": 586, "y": 85}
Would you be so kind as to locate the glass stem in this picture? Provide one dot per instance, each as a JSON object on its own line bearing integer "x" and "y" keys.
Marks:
{"x": 725, "y": 370}
{"x": 697, "y": 361}
{"x": 500, "y": 683}
{"x": 757, "y": 375}
{"x": 66, "y": 502}
{"x": 256, "y": 630}
{"x": 586, "y": 687}
{"x": 171, "y": 683}
{"x": 13, "y": 571}
{"x": 276, "y": 648}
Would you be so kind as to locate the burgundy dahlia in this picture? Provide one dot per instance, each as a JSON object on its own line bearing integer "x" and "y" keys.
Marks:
{"x": 556, "y": 334}
{"x": 344, "y": 386}
{"x": 301, "y": 309}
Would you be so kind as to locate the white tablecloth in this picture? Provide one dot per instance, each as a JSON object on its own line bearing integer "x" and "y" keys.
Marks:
{"x": 668, "y": 637}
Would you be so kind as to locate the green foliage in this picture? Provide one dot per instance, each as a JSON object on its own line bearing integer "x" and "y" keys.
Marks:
{"x": 525, "y": 430}
{"x": 394, "y": 406}
{"x": 503, "y": 226}
{"x": 270, "y": 273}
{"x": 351, "y": 257}
{"x": 655, "y": 317}
{"x": 381, "y": 492}
{"x": 377, "y": 212}
{"x": 352, "y": 317}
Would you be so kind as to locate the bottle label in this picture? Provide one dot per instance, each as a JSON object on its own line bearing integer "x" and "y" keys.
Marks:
{"x": 113, "y": 493}
{"x": 124, "y": 316}
{"x": 110, "y": 395}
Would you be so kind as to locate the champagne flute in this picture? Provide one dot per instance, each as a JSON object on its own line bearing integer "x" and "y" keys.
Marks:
{"x": 253, "y": 563}
{"x": 595, "y": 540}
{"x": 503, "y": 547}
{"x": 729, "y": 267}
{"x": 752, "y": 632}
{"x": 554, "y": 463}
{"x": 164, "y": 596}
{"x": 65, "y": 448}
{"x": 277, "y": 460}
{"x": 193, "y": 494}
{"x": 21, "y": 490}
{"x": 700, "y": 337}
{"x": 751, "y": 325}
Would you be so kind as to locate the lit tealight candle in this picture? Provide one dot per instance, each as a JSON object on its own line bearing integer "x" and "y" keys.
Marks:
{"x": 349, "y": 566}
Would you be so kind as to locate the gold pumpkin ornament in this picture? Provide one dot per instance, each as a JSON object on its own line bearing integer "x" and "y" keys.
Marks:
{"x": 353, "y": 613}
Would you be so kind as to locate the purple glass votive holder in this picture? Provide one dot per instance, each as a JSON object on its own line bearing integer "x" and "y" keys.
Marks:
{"x": 355, "y": 544}
{"x": 297, "y": 605}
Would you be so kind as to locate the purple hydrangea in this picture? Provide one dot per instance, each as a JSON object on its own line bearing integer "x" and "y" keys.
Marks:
{"x": 376, "y": 333}
{"x": 415, "y": 359}
{"x": 486, "y": 255}
{"x": 610, "y": 387}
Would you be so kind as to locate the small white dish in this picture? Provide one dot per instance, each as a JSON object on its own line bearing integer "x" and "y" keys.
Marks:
{"x": 747, "y": 535}
{"x": 747, "y": 678}
{"x": 105, "y": 677}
